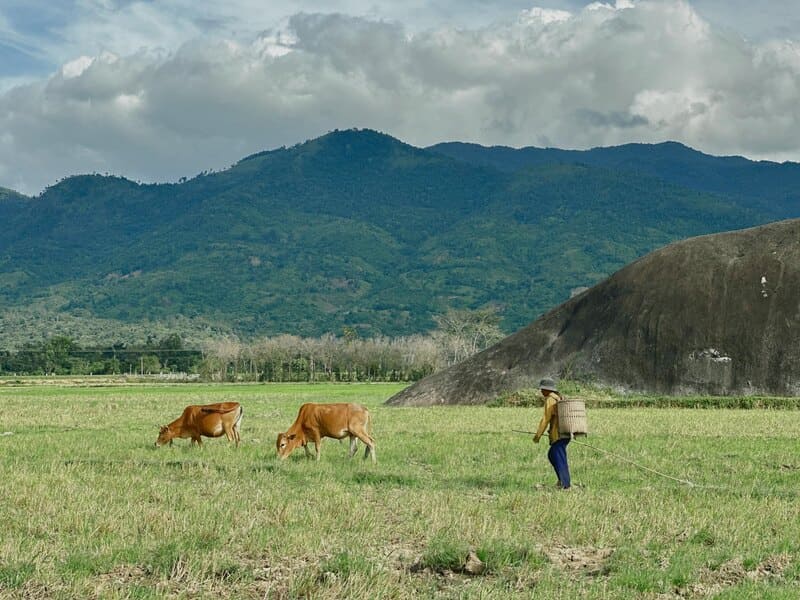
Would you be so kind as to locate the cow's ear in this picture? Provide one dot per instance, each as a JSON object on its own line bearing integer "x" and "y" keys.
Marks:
{"x": 291, "y": 437}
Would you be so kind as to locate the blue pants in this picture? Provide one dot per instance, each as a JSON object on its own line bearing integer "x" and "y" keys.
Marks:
{"x": 557, "y": 455}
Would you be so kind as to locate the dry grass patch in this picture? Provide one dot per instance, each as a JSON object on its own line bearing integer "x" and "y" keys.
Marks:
{"x": 120, "y": 578}
{"x": 733, "y": 573}
{"x": 587, "y": 560}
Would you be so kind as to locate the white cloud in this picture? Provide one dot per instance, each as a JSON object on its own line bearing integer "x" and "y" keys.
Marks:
{"x": 619, "y": 5}
{"x": 75, "y": 68}
{"x": 545, "y": 15}
{"x": 646, "y": 71}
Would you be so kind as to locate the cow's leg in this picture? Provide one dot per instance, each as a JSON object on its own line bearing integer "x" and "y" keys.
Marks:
{"x": 370, "y": 451}
{"x": 369, "y": 442}
{"x": 308, "y": 452}
{"x": 197, "y": 440}
{"x": 353, "y": 445}
{"x": 228, "y": 429}
{"x": 232, "y": 432}
{"x": 317, "y": 443}
{"x": 236, "y": 436}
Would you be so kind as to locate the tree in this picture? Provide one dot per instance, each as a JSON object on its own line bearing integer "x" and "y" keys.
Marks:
{"x": 56, "y": 355}
{"x": 149, "y": 364}
{"x": 463, "y": 333}
{"x": 222, "y": 357}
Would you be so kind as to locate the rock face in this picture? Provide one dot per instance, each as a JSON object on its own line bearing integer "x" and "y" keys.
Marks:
{"x": 717, "y": 314}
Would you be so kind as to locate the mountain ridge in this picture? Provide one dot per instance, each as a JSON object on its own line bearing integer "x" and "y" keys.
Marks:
{"x": 352, "y": 229}
{"x": 777, "y": 185}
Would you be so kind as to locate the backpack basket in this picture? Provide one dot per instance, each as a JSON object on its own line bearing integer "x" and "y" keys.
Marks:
{"x": 572, "y": 417}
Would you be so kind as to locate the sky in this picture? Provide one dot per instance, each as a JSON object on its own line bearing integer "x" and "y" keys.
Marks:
{"x": 156, "y": 90}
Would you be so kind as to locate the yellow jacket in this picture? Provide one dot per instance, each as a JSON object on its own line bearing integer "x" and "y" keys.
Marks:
{"x": 550, "y": 417}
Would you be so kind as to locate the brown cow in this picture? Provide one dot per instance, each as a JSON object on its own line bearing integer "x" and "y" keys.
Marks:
{"x": 210, "y": 420}
{"x": 316, "y": 421}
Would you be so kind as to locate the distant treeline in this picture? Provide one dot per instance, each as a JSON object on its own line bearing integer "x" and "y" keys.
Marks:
{"x": 62, "y": 356}
{"x": 285, "y": 357}
{"x": 328, "y": 358}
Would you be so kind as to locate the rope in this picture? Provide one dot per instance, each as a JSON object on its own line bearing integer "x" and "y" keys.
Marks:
{"x": 628, "y": 460}
{"x": 679, "y": 480}
{"x": 687, "y": 482}
{"x": 691, "y": 484}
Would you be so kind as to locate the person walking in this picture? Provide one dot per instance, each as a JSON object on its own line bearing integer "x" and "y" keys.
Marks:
{"x": 557, "y": 455}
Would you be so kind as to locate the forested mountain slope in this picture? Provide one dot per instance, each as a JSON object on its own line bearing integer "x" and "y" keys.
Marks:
{"x": 353, "y": 229}
{"x": 773, "y": 187}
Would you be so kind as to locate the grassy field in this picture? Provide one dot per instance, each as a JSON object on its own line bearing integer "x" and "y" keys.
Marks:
{"x": 91, "y": 509}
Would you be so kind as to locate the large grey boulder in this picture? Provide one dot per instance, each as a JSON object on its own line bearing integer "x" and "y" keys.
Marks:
{"x": 717, "y": 314}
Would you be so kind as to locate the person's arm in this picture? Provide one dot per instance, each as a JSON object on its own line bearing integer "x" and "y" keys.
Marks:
{"x": 548, "y": 414}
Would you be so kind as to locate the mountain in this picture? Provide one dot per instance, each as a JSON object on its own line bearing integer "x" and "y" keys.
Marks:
{"x": 714, "y": 314}
{"x": 772, "y": 187}
{"x": 9, "y": 195}
{"x": 353, "y": 229}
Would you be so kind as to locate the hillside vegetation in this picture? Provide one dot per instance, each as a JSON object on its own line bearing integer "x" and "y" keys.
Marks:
{"x": 351, "y": 230}
{"x": 775, "y": 187}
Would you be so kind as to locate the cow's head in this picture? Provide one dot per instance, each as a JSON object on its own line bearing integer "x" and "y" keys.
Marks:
{"x": 165, "y": 434}
{"x": 286, "y": 444}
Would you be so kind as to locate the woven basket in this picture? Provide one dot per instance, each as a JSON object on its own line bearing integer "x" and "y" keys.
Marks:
{"x": 572, "y": 417}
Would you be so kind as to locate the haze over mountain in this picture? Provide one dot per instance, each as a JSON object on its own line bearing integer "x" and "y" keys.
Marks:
{"x": 353, "y": 229}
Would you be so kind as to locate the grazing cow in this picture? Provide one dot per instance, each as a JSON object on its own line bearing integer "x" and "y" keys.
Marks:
{"x": 210, "y": 420}
{"x": 316, "y": 421}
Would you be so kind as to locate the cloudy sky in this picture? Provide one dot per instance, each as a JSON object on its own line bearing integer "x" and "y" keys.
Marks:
{"x": 159, "y": 89}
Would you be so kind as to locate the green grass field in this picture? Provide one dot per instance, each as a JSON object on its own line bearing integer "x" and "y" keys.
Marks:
{"x": 91, "y": 509}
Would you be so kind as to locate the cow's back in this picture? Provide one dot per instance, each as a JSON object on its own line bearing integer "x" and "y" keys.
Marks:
{"x": 208, "y": 419}
{"x": 220, "y": 407}
{"x": 333, "y": 419}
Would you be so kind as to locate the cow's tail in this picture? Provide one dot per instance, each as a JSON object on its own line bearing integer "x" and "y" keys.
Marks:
{"x": 239, "y": 418}
{"x": 237, "y": 436}
{"x": 370, "y": 449}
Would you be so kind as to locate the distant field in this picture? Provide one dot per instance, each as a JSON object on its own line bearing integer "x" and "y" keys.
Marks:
{"x": 90, "y": 509}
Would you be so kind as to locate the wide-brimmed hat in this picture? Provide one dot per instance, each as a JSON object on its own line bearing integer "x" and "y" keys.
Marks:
{"x": 548, "y": 384}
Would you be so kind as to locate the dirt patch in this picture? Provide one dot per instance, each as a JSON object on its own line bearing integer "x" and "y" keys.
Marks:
{"x": 179, "y": 583}
{"x": 123, "y": 577}
{"x": 588, "y": 560}
{"x": 585, "y": 560}
{"x": 33, "y": 590}
{"x": 274, "y": 580}
{"x": 401, "y": 556}
{"x": 729, "y": 574}
{"x": 120, "y": 577}
{"x": 773, "y": 566}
